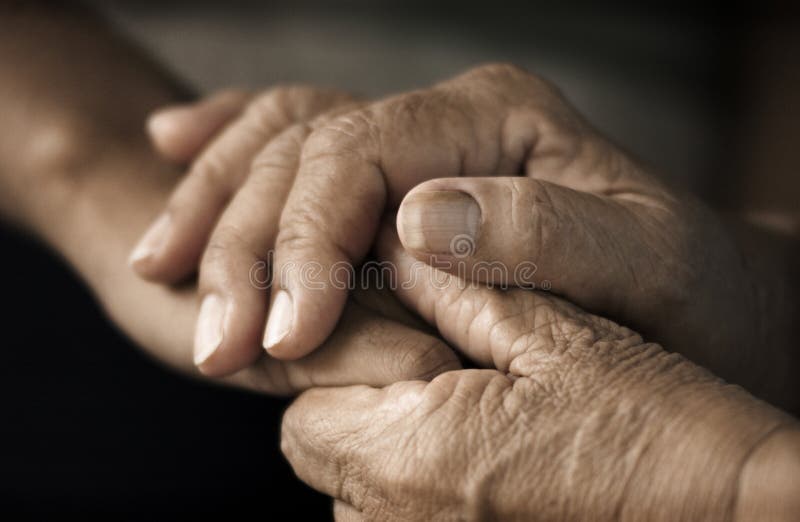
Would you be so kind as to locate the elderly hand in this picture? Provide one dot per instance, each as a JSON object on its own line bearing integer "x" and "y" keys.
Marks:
{"x": 580, "y": 420}
{"x": 593, "y": 224}
{"x": 598, "y": 226}
{"x": 377, "y": 342}
{"x": 103, "y": 189}
{"x": 243, "y": 152}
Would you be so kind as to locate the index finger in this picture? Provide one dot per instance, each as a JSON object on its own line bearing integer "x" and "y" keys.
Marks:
{"x": 484, "y": 123}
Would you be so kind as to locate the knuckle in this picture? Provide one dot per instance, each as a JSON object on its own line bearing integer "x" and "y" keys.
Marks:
{"x": 309, "y": 102}
{"x": 226, "y": 245}
{"x": 528, "y": 332}
{"x": 419, "y": 111}
{"x": 295, "y": 240}
{"x": 301, "y": 230}
{"x": 494, "y": 70}
{"x": 291, "y": 139}
{"x": 345, "y": 104}
{"x": 406, "y": 108}
{"x": 283, "y": 105}
{"x": 560, "y": 349}
{"x": 211, "y": 171}
{"x": 216, "y": 253}
{"x": 439, "y": 391}
{"x": 348, "y": 134}
{"x": 534, "y": 216}
{"x": 509, "y": 75}
{"x": 283, "y": 151}
{"x": 552, "y": 330}
{"x": 502, "y": 317}
{"x": 286, "y": 104}
{"x": 272, "y": 109}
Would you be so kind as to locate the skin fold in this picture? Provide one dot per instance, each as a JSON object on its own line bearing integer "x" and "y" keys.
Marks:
{"x": 197, "y": 222}
{"x": 580, "y": 420}
{"x": 598, "y": 227}
{"x": 573, "y": 415}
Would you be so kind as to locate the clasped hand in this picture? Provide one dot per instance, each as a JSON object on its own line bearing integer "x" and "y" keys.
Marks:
{"x": 573, "y": 414}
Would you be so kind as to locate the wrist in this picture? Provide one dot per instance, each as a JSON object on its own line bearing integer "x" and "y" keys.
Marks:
{"x": 96, "y": 214}
{"x": 769, "y": 483}
{"x": 696, "y": 444}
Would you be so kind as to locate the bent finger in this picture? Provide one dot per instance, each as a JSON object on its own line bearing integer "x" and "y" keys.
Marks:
{"x": 485, "y": 323}
{"x": 366, "y": 349}
{"x": 234, "y": 272}
{"x": 172, "y": 247}
{"x": 354, "y": 166}
{"x": 180, "y": 132}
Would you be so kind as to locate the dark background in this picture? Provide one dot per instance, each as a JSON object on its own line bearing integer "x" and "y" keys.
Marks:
{"x": 90, "y": 425}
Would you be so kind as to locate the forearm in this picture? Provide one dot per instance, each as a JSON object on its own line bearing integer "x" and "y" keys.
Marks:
{"x": 75, "y": 165}
{"x": 74, "y": 96}
{"x": 706, "y": 450}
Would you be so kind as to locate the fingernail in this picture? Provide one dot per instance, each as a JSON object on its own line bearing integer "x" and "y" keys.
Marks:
{"x": 152, "y": 241}
{"x": 439, "y": 221}
{"x": 210, "y": 328}
{"x": 280, "y": 319}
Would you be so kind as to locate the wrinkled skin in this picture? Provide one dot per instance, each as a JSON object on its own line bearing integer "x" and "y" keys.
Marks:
{"x": 607, "y": 235}
{"x": 580, "y": 420}
{"x": 600, "y": 229}
{"x": 76, "y": 170}
{"x": 231, "y": 199}
{"x": 97, "y": 184}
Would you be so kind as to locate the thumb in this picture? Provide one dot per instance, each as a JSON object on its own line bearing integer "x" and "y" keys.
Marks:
{"x": 180, "y": 132}
{"x": 328, "y": 432}
{"x": 518, "y": 231}
{"x": 518, "y": 331}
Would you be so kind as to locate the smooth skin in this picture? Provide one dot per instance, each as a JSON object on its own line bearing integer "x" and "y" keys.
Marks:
{"x": 77, "y": 171}
{"x": 596, "y": 226}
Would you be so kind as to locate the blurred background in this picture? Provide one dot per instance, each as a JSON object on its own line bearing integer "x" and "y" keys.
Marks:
{"x": 89, "y": 425}
{"x": 646, "y": 76}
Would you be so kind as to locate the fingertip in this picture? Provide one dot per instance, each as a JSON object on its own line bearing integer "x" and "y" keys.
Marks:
{"x": 279, "y": 324}
{"x": 166, "y": 253}
{"x": 225, "y": 335}
{"x": 168, "y": 128}
{"x": 301, "y": 320}
{"x": 439, "y": 221}
{"x": 210, "y": 330}
{"x": 144, "y": 257}
{"x": 161, "y": 122}
{"x": 179, "y": 132}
